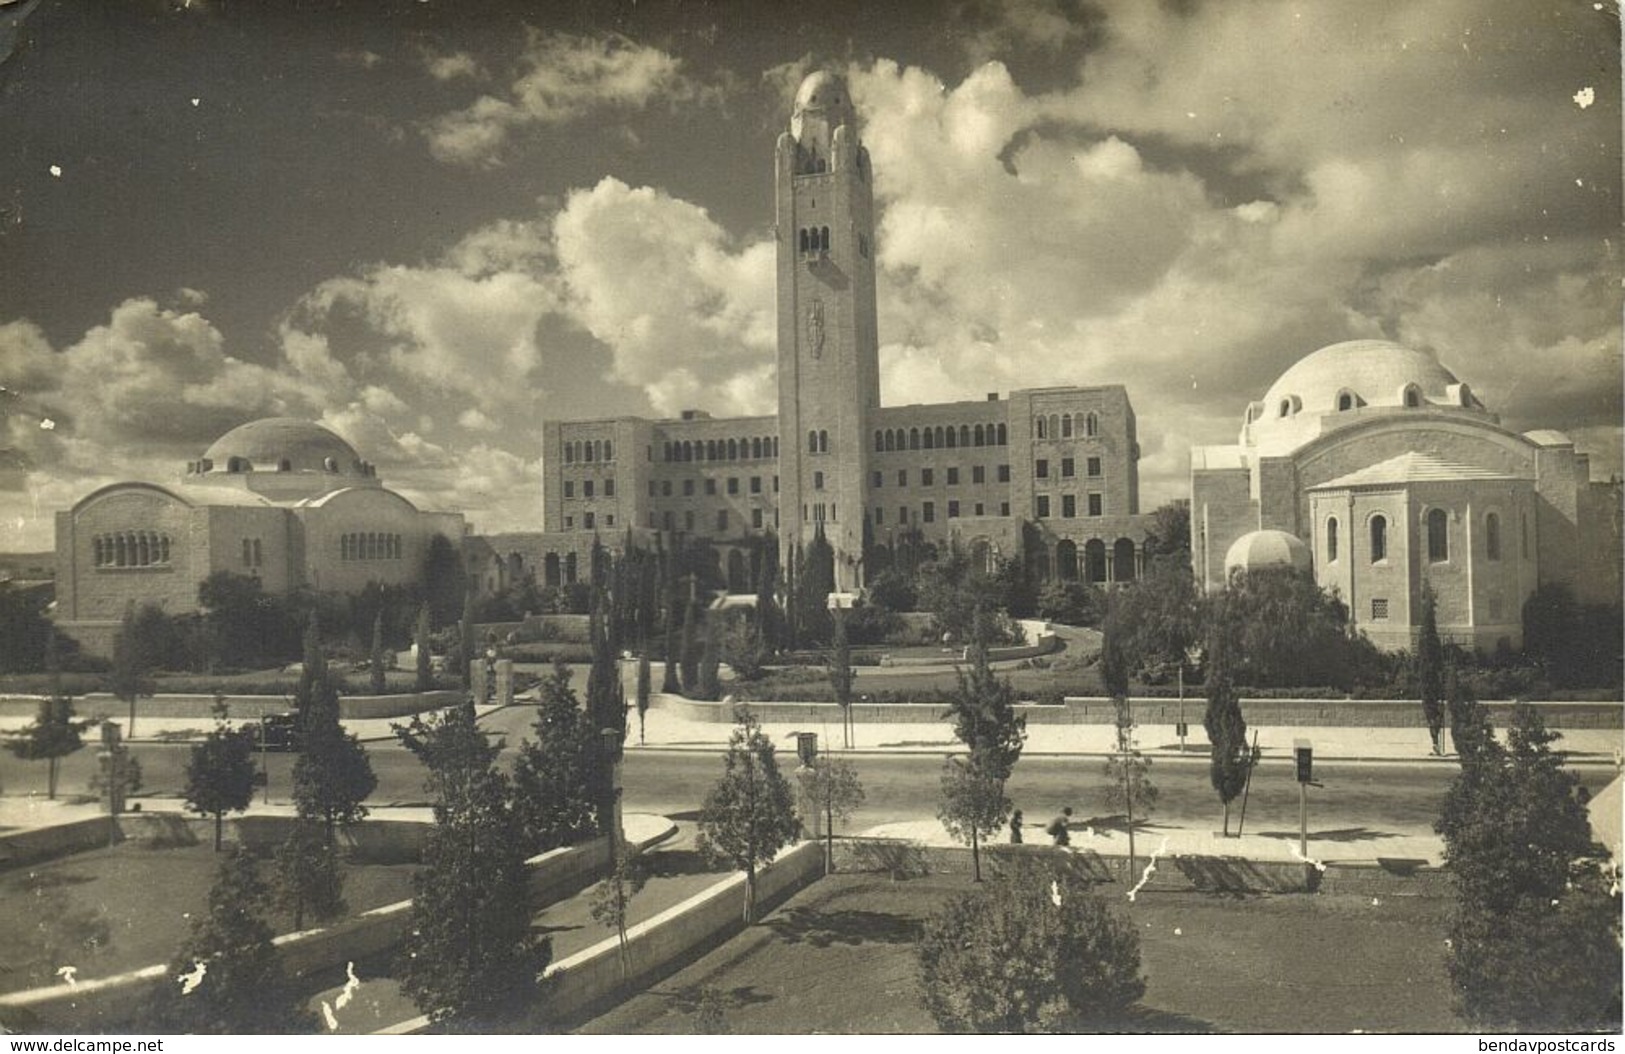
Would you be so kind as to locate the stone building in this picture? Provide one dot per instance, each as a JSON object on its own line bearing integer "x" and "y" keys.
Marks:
{"x": 1064, "y": 460}
{"x": 1396, "y": 478}
{"x": 283, "y": 500}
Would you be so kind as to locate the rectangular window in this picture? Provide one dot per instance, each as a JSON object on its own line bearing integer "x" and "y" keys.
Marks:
{"x": 1043, "y": 506}
{"x": 756, "y": 484}
{"x": 1042, "y": 469}
{"x": 587, "y": 521}
{"x": 569, "y": 523}
{"x": 733, "y": 484}
{"x": 756, "y": 518}
{"x": 569, "y": 489}
{"x": 609, "y": 488}
{"x": 586, "y": 488}
{"x": 953, "y": 477}
{"x": 1379, "y": 607}
{"x": 1095, "y": 508}
{"x": 953, "y": 510}
{"x": 1069, "y": 467}
{"x": 710, "y": 486}
{"x": 978, "y": 509}
{"x": 609, "y": 520}
{"x": 1093, "y": 465}
{"x": 902, "y": 477}
{"x": 928, "y": 512}
{"x": 927, "y": 477}
{"x": 978, "y": 474}
{"x": 875, "y": 478}
{"x": 1069, "y": 506}
{"x": 1004, "y": 473}
{"x": 880, "y": 516}
{"x": 1004, "y": 508}
{"x": 688, "y": 488}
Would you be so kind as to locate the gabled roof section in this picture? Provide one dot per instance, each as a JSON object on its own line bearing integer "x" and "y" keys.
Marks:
{"x": 1413, "y": 466}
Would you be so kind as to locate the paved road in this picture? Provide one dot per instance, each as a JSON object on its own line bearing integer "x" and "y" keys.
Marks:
{"x": 1357, "y": 798}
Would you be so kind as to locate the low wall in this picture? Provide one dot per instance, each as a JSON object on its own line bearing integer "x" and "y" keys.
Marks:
{"x": 110, "y": 1004}
{"x": 239, "y": 707}
{"x": 21, "y": 848}
{"x": 1076, "y": 710}
{"x": 1201, "y": 872}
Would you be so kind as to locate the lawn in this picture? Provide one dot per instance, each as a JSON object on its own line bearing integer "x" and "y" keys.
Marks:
{"x": 839, "y": 957}
{"x": 118, "y": 909}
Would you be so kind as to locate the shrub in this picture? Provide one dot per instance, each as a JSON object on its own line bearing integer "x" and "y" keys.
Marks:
{"x": 1035, "y": 951}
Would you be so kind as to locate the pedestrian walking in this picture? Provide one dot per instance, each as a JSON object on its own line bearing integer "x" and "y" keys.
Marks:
{"x": 1058, "y": 828}
{"x": 1015, "y": 827}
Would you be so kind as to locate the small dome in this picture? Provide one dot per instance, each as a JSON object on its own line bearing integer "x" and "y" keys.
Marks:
{"x": 822, "y": 90}
{"x": 283, "y": 444}
{"x": 823, "y": 104}
{"x": 1260, "y": 550}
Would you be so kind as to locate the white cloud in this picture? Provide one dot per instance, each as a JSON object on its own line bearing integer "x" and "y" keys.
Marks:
{"x": 452, "y": 66}
{"x": 563, "y": 78}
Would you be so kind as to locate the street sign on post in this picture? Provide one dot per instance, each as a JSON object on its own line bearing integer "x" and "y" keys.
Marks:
{"x": 807, "y": 747}
{"x": 1304, "y": 755}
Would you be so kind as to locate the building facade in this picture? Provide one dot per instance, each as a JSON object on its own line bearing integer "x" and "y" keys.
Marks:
{"x": 1397, "y": 479}
{"x": 282, "y": 500}
{"x": 834, "y": 459}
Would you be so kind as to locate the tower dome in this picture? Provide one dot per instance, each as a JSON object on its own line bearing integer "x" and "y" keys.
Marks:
{"x": 823, "y": 104}
{"x": 1262, "y": 550}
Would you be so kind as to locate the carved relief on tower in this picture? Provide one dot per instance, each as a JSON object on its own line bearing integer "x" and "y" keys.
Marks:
{"x": 815, "y": 328}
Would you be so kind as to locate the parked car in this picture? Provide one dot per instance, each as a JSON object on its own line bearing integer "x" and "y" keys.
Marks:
{"x": 279, "y": 732}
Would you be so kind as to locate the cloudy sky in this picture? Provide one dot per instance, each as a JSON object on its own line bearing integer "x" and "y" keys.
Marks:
{"x": 433, "y": 225}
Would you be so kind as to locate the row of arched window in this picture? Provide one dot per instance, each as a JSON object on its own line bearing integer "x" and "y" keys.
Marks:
{"x": 131, "y": 549}
{"x": 751, "y": 449}
{"x": 941, "y": 437}
{"x": 370, "y": 545}
{"x": 814, "y": 240}
{"x": 589, "y": 450}
{"x": 1437, "y": 523}
{"x": 1066, "y": 426}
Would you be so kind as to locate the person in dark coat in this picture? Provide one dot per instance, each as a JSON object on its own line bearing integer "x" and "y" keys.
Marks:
{"x": 1059, "y": 827}
{"x": 1015, "y": 827}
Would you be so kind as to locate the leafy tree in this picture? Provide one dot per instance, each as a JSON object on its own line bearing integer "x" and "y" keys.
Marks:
{"x": 1072, "y": 603}
{"x": 228, "y": 978}
{"x": 420, "y": 638}
{"x": 1129, "y": 789}
{"x": 53, "y": 736}
{"x": 308, "y": 879}
{"x": 1035, "y": 951}
{"x": 220, "y": 772}
{"x": 1574, "y": 645}
{"x": 834, "y": 792}
{"x": 983, "y": 709}
{"x": 749, "y": 815}
{"x": 1169, "y": 535}
{"x": 1429, "y": 666}
{"x": 133, "y": 661}
{"x": 375, "y": 661}
{"x": 247, "y": 626}
{"x": 1289, "y": 631}
{"x": 1159, "y": 617}
{"x": 1535, "y": 942}
{"x": 973, "y": 805}
{"x": 471, "y": 960}
{"x": 552, "y": 775}
{"x": 612, "y": 899}
{"x": 893, "y": 590}
{"x": 332, "y": 776}
{"x": 1226, "y": 730}
{"x": 24, "y": 628}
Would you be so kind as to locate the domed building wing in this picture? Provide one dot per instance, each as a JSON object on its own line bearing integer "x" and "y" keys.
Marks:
{"x": 282, "y": 500}
{"x": 1398, "y": 479}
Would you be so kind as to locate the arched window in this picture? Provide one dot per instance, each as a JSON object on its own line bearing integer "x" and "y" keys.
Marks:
{"x": 1492, "y": 537}
{"x": 812, "y": 442}
{"x": 609, "y": 450}
{"x": 586, "y": 451}
{"x": 1054, "y": 426}
{"x": 1066, "y": 561}
{"x": 97, "y": 545}
{"x": 1438, "y": 535}
{"x": 1091, "y": 425}
{"x": 1066, "y": 426}
{"x": 1345, "y": 401}
{"x": 1413, "y": 397}
{"x": 1094, "y": 560}
{"x": 258, "y": 558}
{"x": 978, "y": 437}
{"x": 823, "y": 239}
{"x": 914, "y": 439}
{"x": 1039, "y": 428}
{"x": 756, "y": 448}
{"x": 143, "y": 555}
{"x": 803, "y": 242}
{"x": 964, "y": 435}
{"x": 163, "y": 548}
{"x": 1379, "y": 539}
{"x": 951, "y": 436}
{"x": 1331, "y": 540}
{"x": 890, "y": 441}
{"x": 1004, "y": 436}
{"x": 688, "y": 453}
{"x": 823, "y": 441}
{"x": 818, "y": 481}
{"x": 1123, "y": 560}
{"x": 733, "y": 450}
{"x": 930, "y": 442}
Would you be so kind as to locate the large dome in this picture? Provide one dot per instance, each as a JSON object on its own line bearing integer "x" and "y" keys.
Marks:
{"x": 283, "y": 444}
{"x": 1372, "y": 372}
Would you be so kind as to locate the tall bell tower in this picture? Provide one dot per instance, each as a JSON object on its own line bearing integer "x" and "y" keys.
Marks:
{"x": 829, "y": 366}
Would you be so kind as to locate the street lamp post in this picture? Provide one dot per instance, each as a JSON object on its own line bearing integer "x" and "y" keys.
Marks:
{"x": 611, "y": 739}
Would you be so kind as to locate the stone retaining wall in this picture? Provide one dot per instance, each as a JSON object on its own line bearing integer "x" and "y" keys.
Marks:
{"x": 239, "y": 707}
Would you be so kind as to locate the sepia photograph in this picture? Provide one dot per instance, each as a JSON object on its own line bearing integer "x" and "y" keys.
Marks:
{"x": 754, "y": 517}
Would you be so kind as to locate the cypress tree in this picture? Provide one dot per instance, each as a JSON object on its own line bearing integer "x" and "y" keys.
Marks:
{"x": 1429, "y": 665}
{"x": 1226, "y": 730}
